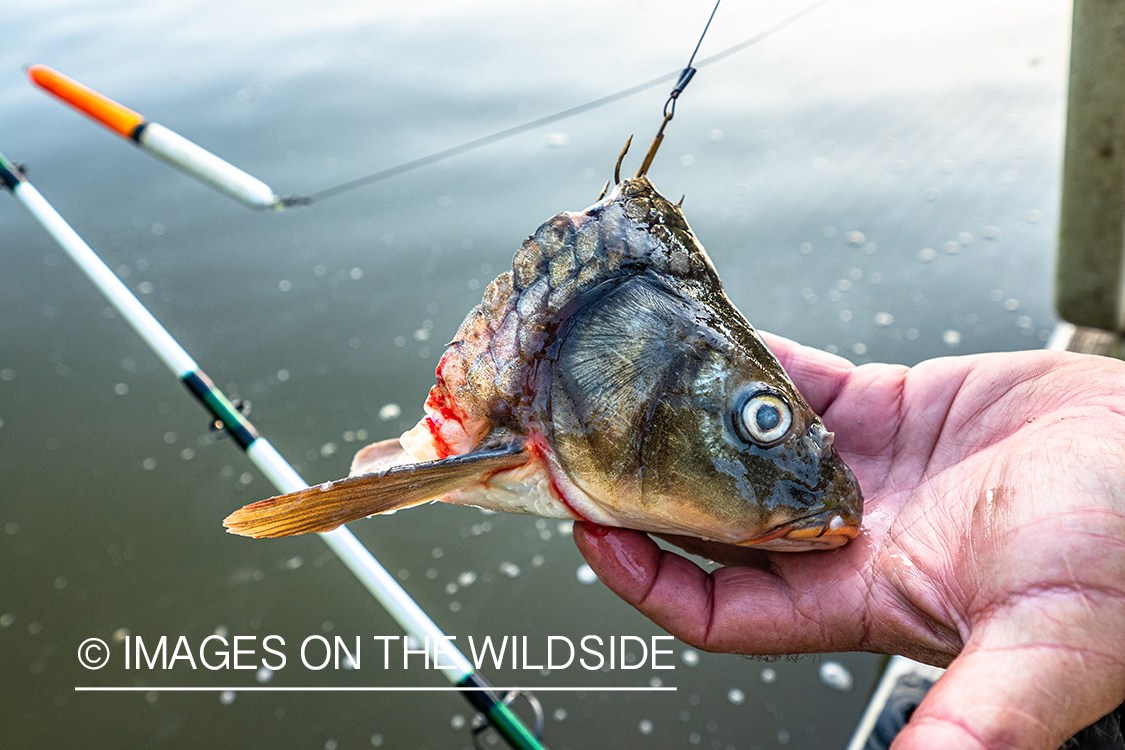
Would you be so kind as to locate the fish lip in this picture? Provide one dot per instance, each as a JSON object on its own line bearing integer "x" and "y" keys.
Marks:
{"x": 826, "y": 529}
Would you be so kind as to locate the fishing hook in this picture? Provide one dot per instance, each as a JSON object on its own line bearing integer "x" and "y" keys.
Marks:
{"x": 670, "y": 104}
{"x": 621, "y": 158}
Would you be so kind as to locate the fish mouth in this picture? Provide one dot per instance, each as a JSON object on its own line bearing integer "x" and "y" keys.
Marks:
{"x": 823, "y": 531}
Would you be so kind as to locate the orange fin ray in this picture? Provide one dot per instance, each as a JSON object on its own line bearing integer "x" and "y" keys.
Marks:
{"x": 326, "y": 506}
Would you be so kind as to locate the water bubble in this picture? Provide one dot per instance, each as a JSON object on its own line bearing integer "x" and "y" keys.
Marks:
{"x": 509, "y": 569}
{"x": 226, "y": 697}
{"x": 655, "y": 682}
{"x": 264, "y": 674}
{"x": 952, "y": 247}
{"x": 736, "y": 696}
{"x": 911, "y": 334}
{"x": 457, "y": 722}
{"x": 148, "y": 464}
{"x": 538, "y": 560}
{"x": 769, "y": 675}
{"x": 1034, "y": 215}
{"x": 714, "y": 135}
{"x": 327, "y": 449}
{"x": 859, "y": 348}
{"x": 829, "y": 231}
{"x": 293, "y": 563}
{"x": 466, "y": 578}
{"x": 965, "y": 237}
{"x": 330, "y": 745}
{"x": 455, "y": 606}
{"x": 61, "y": 582}
{"x": 586, "y": 574}
{"x": 836, "y": 676}
{"x": 695, "y": 738}
{"x": 120, "y": 389}
{"x": 1023, "y": 321}
{"x": 187, "y": 454}
{"x": 645, "y": 726}
{"x": 783, "y": 736}
{"x": 687, "y": 160}
{"x": 948, "y": 166}
{"x": 951, "y": 338}
{"x": 689, "y": 656}
{"x": 845, "y": 315}
{"x": 389, "y": 412}
{"x": 804, "y": 248}
{"x": 556, "y": 140}
{"x": 559, "y": 714}
{"x": 7, "y": 619}
{"x": 926, "y": 254}
{"x": 1011, "y": 304}
{"x": 451, "y": 588}
{"x": 844, "y": 285}
{"x": 376, "y": 740}
{"x": 11, "y": 527}
{"x": 884, "y": 319}
{"x": 566, "y": 527}
{"x": 855, "y": 238}
{"x": 991, "y": 232}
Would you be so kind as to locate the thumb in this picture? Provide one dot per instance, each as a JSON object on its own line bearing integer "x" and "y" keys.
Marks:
{"x": 1030, "y": 697}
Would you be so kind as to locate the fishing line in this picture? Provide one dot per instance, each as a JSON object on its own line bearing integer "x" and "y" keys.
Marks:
{"x": 438, "y": 156}
{"x": 669, "y": 107}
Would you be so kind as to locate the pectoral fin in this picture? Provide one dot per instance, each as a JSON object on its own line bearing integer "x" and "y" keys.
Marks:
{"x": 326, "y": 506}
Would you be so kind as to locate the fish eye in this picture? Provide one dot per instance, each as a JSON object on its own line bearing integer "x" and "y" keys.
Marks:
{"x": 764, "y": 418}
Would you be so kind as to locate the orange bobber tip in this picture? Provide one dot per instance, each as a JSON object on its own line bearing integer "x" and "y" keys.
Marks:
{"x": 114, "y": 116}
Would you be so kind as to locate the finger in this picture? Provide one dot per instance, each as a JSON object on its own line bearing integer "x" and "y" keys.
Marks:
{"x": 1030, "y": 698}
{"x": 818, "y": 375}
{"x": 735, "y": 609}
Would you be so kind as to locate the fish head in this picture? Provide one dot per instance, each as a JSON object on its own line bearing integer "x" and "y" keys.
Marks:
{"x": 732, "y": 451}
{"x": 669, "y": 412}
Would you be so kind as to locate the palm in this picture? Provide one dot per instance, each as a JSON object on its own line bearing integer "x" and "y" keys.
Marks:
{"x": 994, "y": 538}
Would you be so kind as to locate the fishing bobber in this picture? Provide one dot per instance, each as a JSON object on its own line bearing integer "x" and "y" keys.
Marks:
{"x": 166, "y": 145}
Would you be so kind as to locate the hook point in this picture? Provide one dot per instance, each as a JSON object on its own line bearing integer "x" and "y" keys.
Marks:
{"x": 621, "y": 158}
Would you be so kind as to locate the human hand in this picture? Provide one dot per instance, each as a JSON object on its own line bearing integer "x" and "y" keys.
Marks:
{"x": 993, "y": 543}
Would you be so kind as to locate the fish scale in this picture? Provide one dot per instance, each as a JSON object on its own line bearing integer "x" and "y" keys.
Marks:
{"x": 485, "y": 367}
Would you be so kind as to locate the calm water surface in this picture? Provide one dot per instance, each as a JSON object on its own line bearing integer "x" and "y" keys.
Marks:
{"x": 878, "y": 180}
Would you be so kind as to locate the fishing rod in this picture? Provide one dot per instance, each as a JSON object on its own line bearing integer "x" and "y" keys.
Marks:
{"x": 284, "y": 477}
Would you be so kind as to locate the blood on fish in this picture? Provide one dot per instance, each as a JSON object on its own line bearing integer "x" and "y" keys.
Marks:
{"x": 441, "y": 405}
{"x": 536, "y": 447}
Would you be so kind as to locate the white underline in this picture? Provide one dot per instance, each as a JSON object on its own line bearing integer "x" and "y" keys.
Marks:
{"x": 284, "y": 689}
